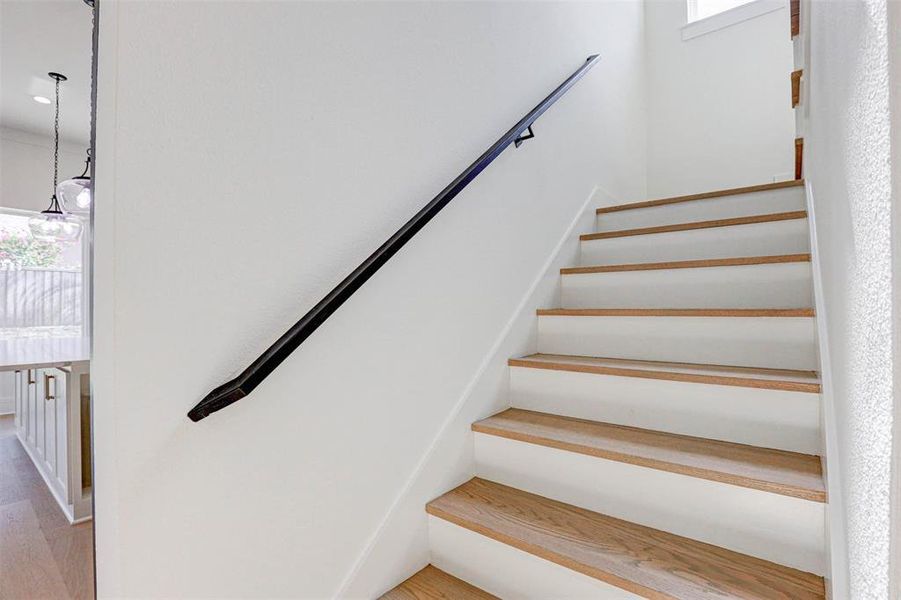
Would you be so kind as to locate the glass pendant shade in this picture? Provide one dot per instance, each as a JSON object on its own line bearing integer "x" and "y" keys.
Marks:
{"x": 75, "y": 195}
{"x": 55, "y": 226}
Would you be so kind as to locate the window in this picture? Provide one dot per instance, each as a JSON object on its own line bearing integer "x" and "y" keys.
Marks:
{"x": 41, "y": 291}
{"x": 705, "y": 16}
{"x": 701, "y": 9}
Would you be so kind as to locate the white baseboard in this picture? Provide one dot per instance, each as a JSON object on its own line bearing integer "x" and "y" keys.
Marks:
{"x": 83, "y": 520}
{"x": 836, "y": 536}
{"x": 399, "y": 546}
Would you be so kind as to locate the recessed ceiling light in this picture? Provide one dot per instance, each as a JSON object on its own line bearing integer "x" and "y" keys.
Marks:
{"x": 41, "y": 99}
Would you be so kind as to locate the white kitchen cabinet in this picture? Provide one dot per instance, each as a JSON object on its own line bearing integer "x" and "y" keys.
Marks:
{"x": 39, "y": 425}
{"x": 50, "y": 402}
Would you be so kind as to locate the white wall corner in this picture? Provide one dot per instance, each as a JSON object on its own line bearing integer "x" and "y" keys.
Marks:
{"x": 399, "y": 546}
{"x": 107, "y": 544}
{"x": 724, "y": 84}
{"x": 836, "y": 536}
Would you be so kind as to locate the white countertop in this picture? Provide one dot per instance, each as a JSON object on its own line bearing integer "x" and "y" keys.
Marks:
{"x": 31, "y": 353}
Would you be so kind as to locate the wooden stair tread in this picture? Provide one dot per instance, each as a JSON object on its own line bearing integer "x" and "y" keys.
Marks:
{"x": 776, "y": 379}
{"x": 690, "y": 264}
{"x": 432, "y": 583}
{"x": 675, "y": 312}
{"x": 702, "y": 196}
{"x": 767, "y": 218}
{"x": 775, "y": 471}
{"x": 645, "y": 561}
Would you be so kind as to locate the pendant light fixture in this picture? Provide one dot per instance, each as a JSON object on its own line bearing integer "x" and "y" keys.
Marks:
{"x": 53, "y": 224}
{"x": 75, "y": 194}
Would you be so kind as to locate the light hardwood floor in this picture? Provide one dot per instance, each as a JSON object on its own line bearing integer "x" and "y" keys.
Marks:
{"x": 41, "y": 555}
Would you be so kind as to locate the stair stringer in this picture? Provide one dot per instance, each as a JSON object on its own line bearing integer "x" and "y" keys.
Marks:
{"x": 836, "y": 538}
{"x": 399, "y": 546}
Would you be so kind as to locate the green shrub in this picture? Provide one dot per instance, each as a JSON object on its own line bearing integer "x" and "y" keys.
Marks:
{"x": 22, "y": 250}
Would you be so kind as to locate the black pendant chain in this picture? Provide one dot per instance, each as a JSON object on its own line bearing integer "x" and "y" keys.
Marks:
{"x": 56, "y": 140}
{"x": 54, "y": 202}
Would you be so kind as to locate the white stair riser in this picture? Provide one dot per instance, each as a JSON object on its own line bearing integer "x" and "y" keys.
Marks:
{"x": 727, "y": 207}
{"x": 781, "y": 529}
{"x": 757, "y": 417}
{"x": 783, "y": 285}
{"x": 756, "y": 239}
{"x": 769, "y": 342}
{"x": 508, "y": 572}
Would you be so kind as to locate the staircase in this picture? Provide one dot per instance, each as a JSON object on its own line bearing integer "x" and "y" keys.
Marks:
{"x": 663, "y": 442}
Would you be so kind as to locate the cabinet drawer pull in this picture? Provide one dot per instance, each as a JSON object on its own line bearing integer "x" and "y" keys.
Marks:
{"x": 31, "y": 380}
{"x": 47, "y": 395}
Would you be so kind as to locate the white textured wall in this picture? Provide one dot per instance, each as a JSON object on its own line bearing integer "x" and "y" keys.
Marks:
{"x": 719, "y": 105}
{"x": 249, "y": 156}
{"x": 894, "y": 49}
{"x": 848, "y": 164}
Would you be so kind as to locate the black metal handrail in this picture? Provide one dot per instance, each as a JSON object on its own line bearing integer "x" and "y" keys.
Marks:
{"x": 259, "y": 369}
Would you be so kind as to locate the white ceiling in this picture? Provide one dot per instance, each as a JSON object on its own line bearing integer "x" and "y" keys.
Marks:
{"x": 36, "y": 37}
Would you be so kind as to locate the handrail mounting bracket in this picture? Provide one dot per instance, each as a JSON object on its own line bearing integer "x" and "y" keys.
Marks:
{"x": 523, "y": 137}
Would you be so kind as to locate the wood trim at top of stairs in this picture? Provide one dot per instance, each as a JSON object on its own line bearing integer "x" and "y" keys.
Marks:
{"x": 702, "y": 196}
{"x": 796, "y": 87}
{"x": 795, "y": 16}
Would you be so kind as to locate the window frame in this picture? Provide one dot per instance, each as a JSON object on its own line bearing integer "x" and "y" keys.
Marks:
{"x": 726, "y": 18}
